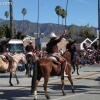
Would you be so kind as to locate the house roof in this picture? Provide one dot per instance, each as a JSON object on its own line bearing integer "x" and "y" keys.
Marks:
{"x": 82, "y": 40}
{"x": 94, "y": 40}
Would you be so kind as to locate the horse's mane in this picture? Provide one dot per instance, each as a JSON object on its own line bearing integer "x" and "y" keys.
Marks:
{"x": 67, "y": 55}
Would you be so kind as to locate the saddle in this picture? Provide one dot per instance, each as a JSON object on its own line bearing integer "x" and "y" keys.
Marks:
{"x": 55, "y": 61}
{"x": 3, "y": 57}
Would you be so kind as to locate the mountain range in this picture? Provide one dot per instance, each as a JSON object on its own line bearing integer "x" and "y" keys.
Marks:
{"x": 31, "y": 27}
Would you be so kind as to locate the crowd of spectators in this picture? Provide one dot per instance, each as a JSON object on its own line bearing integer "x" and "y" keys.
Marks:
{"x": 90, "y": 57}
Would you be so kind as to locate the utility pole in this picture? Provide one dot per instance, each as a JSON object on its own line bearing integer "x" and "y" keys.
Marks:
{"x": 38, "y": 20}
{"x": 99, "y": 21}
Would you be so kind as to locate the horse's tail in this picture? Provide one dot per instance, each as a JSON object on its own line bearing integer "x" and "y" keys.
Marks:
{"x": 35, "y": 70}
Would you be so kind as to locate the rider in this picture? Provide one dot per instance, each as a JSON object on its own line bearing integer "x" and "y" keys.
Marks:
{"x": 52, "y": 49}
{"x": 29, "y": 48}
{"x": 70, "y": 49}
{"x": 6, "y": 57}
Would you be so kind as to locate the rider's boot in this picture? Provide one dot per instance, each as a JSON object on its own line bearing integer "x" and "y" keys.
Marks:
{"x": 5, "y": 60}
{"x": 10, "y": 63}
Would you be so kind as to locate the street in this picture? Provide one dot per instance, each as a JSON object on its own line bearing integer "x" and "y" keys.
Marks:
{"x": 87, "y": 86}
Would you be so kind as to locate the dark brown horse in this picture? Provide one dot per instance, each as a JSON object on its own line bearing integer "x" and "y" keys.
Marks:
{"x": 45, "y": 67}
{"x": 76, "y": 63}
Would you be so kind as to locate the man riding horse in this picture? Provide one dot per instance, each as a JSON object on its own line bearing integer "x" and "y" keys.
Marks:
{"x": 30, "y": 57}
{"x": 52, "y": 50}
{"x": 72, "y": 49}
{"x": 4, "y": 54}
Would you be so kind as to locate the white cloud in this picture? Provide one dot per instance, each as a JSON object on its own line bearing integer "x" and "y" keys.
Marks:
{"x": 84, "y": 1}
{"x": 82, "y": 20}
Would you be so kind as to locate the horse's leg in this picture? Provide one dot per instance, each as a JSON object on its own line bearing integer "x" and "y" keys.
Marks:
{"x": 73, "y": 67}
{"x": 10, "y": 79}
{"x": 28, "y": 69}
{"x": 70, "y": 79}
{"x": 62, "y": 80}
{"x": 16, "y": 78}
{"x": 77, "y": 69}
{"x": 35, "y": 89}
{"x": 46, "y": 79}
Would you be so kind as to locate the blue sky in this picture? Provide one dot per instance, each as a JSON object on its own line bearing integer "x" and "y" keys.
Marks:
{"x": 80, "y": 12}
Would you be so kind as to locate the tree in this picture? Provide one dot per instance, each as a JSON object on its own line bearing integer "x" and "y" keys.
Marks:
{"x": 11, "y": 20}
{"x": 87, "y": 32}
{"x": 20, "y": 35}
{"x": 72, "y": 30}
{"x": 24, "y": 12}
{"x": 63, "y": 15}
{"x": 6, "y": 14}
{"x": 5, "y": 31}
{"x": 58, "y": 12}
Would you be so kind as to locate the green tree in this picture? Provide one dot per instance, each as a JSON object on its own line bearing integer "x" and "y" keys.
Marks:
{"x": 81, "y": 31}
{"x": 58, "y": 12}
{"x": 87, "y": 32}
{"x": 24, "y": 12}
{"x": 11, "y": 20}
{"x": 5, "y": 31}
{"x": 6, "y": 14}
{"x": 63, "y": 15}
{"x": 72, "y": 30}
{"x": 20, "y": 35}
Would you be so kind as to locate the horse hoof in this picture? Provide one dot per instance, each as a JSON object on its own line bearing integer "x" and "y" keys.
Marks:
{"x": 17, "y": 82}
{"x": 73, "y": 91}
{"x": 63, "y": 93}
{"x": 47, "y": 96}
{"x": 78, "y": 74}
{"x": 11, "y": 84}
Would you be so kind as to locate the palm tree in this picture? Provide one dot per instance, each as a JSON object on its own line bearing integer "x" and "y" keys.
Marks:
{"x": 63, "y": 15}
{"x": 58, "y": 12}
{"x": 24, "y": 12}
{"x": 11, "y": 20}
{"x": 6, "y": 14}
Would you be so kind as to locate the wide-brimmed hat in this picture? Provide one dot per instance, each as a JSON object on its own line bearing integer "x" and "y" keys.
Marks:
{"x": 30, "y": 41}
{"x": 52, "y": 35}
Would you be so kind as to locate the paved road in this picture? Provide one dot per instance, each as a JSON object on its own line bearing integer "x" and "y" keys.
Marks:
{"x": 87, "y": 86}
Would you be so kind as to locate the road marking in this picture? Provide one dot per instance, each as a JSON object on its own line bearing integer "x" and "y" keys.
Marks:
{"x": 49, "y": 83}
{"x": 1, "y": 92}
{"x": 71, "y": 96}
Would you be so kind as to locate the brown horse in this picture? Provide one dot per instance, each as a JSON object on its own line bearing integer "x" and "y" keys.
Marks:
{"x": 4, "y": 66}
{"x": 45, "y": 67}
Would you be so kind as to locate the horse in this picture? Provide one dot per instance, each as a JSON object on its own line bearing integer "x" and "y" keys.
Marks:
{"x": 76, "y": 63}
{"x": 30, "y": 59}
{"x": 4, "y": 65}
{"x": 45, "y": 67}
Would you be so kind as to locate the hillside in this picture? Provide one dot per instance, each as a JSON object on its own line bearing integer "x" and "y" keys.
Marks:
{"x": 30, "y": 27}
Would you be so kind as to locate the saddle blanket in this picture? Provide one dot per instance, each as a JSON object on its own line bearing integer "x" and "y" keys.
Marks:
{"x": 2, "y": 56}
